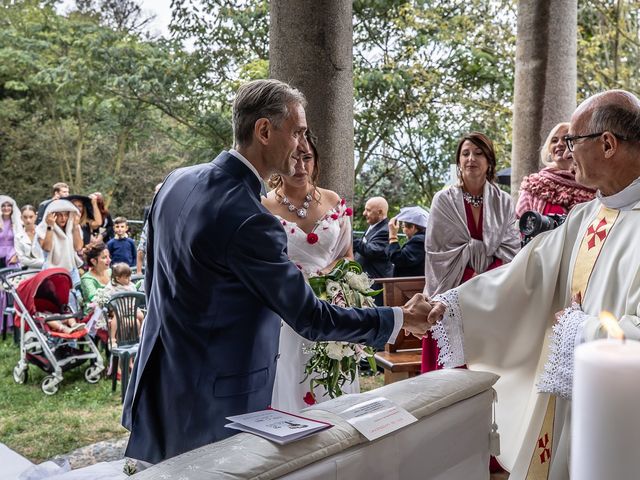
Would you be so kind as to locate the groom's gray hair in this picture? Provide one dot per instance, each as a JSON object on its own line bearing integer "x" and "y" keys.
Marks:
{"x": 262, "y": 99}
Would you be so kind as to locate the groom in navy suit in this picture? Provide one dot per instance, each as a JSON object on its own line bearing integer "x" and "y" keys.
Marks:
{"x": 218, "y": 282}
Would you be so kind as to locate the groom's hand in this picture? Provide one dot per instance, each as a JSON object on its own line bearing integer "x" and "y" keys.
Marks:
{"x": 416, "y": 312}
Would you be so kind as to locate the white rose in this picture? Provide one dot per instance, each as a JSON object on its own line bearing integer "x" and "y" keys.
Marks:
{"x": 359, "y": 282}
{"x": 347, "y": 351}
{"x": 334, "y": 350}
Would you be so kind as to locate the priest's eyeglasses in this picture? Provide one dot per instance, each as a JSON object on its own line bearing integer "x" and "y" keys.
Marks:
{"x": 570, "y": 140}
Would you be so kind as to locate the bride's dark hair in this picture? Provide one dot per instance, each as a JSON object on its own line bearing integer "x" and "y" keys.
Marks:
{"x": 275, "y": 180}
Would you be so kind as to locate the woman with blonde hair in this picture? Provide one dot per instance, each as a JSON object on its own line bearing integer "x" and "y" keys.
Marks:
{"x": 553, "y": 190}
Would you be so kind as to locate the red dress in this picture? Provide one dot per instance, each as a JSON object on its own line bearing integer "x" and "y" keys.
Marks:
{"x": 429, "y": 345}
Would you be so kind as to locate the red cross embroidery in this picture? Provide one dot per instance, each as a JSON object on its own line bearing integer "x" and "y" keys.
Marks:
{"x": 546, "y": 451}
{"x": 599, "y": 232}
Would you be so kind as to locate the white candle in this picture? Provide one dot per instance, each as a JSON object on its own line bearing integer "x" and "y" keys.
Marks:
{"x": 605, "y": 429}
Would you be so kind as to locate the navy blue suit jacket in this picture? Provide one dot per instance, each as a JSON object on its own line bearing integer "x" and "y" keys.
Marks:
{"x": 218, "y": 281}
{"x": 370, "y": 251}
{"x": 408, "y": 260}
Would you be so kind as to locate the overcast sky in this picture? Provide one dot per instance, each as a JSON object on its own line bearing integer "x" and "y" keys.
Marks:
{"x": 160, "y": 8}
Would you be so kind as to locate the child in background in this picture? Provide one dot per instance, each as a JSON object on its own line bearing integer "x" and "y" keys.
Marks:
{"x": 120, "y": 282}
{"x": 122, "y": 248}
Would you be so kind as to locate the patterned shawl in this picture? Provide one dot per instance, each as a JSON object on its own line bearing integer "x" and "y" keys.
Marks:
{"x": 551, "y": 185}
{"x": 448, "y": 243}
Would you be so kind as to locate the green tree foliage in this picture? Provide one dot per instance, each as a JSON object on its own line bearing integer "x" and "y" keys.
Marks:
{"x": 425, "y": 71}
{"x": 608, "y": 46}
{"x": 89, "y": 98}
{"x": 96, "y": 106}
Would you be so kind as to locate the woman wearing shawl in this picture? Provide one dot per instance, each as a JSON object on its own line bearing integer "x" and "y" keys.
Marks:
{"x": 471, "y": 228}
{"x": 60, "y": 237}
{"x": 10, "y": 230}
{"x": 553, "y": 190}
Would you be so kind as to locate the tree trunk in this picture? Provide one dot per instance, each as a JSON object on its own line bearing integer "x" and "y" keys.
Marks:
{"x": 545, "y": 80}
{"x": 311, "y": 44}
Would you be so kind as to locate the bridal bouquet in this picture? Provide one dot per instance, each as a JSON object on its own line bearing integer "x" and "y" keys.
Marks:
{"x": 332, "y": 364}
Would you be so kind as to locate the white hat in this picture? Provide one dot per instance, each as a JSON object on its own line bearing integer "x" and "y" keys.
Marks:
{"x": 416, "y": 215}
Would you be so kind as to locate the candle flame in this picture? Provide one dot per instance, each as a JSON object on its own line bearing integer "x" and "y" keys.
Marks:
{"x": 610, "y": 324}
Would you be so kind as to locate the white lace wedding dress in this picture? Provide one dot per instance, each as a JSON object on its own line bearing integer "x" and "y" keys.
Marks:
{"x": 329, "y": 241}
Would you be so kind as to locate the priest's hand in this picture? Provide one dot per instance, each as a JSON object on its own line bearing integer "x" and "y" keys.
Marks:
{"x": 437, "y": 312}
{"x": 416, "y": 313}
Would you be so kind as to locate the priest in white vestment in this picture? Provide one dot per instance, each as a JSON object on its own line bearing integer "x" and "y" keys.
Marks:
{"x": 523, "y": 320}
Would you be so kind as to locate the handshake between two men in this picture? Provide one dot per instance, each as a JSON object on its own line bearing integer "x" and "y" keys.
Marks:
{"x": 420, "y": 314}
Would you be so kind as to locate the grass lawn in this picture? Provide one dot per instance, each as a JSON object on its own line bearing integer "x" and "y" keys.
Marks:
{"x": 38, "y": 426}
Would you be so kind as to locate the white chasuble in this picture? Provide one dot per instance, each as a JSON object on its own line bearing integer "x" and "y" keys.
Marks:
{"x": 501, "y": 321}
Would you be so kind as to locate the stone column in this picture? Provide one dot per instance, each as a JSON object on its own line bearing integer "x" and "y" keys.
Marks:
{"x": 545, "y": 79}
{"x": 311, "y": 48}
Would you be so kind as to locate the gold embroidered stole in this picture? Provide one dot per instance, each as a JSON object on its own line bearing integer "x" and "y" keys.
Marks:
{"x": 590, "y": 249}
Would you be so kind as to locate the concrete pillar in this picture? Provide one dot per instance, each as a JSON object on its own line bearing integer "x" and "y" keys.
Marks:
{"x": 311, "y": 48}
{"x": 545, "y": 78}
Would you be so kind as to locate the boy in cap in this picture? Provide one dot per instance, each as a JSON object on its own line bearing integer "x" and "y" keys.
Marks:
{"x": 408, "y": 260}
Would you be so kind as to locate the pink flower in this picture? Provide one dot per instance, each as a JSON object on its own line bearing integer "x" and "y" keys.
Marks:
{"x": 309, "y": 399}
{"x": 343, "y": 201}
{"x": 334, "y": 216}
{"x": 284, "y": 223}
{"x": 348, "y": 212}
{"x": 293, "y": 230}
{"x": 312, "y": 238}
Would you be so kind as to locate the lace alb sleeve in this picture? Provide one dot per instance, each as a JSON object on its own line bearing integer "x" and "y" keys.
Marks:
{"x": 557, "y": 378}
{"x": 448, "y": 331}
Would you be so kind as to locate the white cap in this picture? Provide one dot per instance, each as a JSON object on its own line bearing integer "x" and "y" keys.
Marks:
{"x": 416, "y": 215}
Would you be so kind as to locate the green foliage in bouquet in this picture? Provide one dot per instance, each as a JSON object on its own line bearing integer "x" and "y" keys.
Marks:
{"x": 332, "y": 364}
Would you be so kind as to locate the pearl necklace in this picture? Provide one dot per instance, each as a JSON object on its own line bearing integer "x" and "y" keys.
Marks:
{"x": 300, "y": 211}
{"x": 474, "y": 200}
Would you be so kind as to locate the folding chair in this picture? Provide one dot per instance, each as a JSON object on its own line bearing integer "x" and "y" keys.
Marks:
{"x": 124, "y": 307}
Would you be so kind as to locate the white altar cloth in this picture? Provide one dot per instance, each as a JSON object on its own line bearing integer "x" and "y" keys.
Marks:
{"x": 450, "y": 441}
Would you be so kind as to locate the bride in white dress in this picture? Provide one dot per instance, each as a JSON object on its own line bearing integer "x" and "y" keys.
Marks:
{"x": 318, "y": 226}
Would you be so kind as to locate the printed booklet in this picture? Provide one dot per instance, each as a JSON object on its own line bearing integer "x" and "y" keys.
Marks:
{"x": 277, "y": 426}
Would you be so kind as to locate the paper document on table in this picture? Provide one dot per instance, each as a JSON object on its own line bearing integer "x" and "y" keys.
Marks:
{"x": 377, "y": 417}
{"x": 277, "y": 426}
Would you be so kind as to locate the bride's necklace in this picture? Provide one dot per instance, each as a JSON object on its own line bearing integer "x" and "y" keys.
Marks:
{"x": 474, "y": 200}
{"x": 300, "y": 211}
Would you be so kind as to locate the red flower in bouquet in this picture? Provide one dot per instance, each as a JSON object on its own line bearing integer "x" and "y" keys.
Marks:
{"x": 309, "y": 399}
{"x": 334, "y": 216}
{"x": 312, "y": 238}
{"x": 348, "y": 212}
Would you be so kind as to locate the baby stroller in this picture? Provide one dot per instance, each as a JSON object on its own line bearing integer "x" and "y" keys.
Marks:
{"x": 41, "y": 298}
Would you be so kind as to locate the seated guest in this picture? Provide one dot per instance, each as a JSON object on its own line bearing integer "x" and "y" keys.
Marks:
{"x": 408, "y": 260}
{"x": 121, "y": 282}
{"x": 553, "y": 190}
{"x": 28, "y": 249}
{"x": 60, "y": 237}
{"x": 122, "y": 248}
